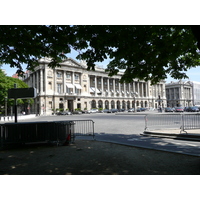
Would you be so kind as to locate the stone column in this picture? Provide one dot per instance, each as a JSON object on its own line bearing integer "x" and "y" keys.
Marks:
{"x": 142, "y": 89}
{"x": 73, "y": 87}
{"x": 54, "y": 83}
{"x": 102, "y": 86}
{"x": 114, "y": 92}
{"x": 45, "y": 80}
{"x": 88, "y": 89}
{"x": 108, "y": 84}
{"x": 129, "y": 88}
{"x": 146, "y": 89}
{"x": 120, "y": 90}
{"x": 64, "y": 81}
{"x": 124, "y": 85}
{"x": 41, "y": 81}
{"x": 95, "y": 86}
{"x": 37, "y": 81}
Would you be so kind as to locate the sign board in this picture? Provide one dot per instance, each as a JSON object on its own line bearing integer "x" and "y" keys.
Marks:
{"x": 21, "y": 93}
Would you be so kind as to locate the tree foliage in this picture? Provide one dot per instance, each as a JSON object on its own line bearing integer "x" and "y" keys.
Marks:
{"x": 143, "y": 52}
{"x": 8, "y": 83}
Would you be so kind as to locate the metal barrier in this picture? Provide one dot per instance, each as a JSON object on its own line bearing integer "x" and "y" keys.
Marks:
{"x": 58, "y": 132}
{"x": 83, "y": 128}
{"x": 182, "y": 122}
{"x": 191, "y": 121}
{"x": 30, "y": 132}
{"x": 167, "y": 121}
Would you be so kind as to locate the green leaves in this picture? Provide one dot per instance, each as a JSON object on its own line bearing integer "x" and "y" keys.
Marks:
{"x": 8, "y": 83}
{"x": 143, "y": 52}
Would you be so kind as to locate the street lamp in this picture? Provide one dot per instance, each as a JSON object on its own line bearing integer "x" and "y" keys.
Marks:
{"x": 134, "y": 94}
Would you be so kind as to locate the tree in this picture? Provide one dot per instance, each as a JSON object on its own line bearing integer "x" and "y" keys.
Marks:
{"x": 8, "y": 83}
{"x": 143, "y": 52}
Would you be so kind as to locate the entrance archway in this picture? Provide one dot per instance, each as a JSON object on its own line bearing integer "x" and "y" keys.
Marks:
{"x": 93, "y": 104}
{"x": 118, "y": 105}
{"x": 100, "y": 104}
{"x": 106, "y": 104}
{"x": 112, "y": 104}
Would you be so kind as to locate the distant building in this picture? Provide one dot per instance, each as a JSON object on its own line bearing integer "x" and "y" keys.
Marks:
{"x": 179, "y": 94}
{"x": 72, "y": 86}
{"x": 196, "y": 93}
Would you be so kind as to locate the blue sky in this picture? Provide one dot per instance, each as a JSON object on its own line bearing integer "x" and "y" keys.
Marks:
{"x": 193, "y": 74}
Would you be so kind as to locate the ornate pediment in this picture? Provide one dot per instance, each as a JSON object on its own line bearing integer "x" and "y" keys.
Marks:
{"x": 71, "y": 62}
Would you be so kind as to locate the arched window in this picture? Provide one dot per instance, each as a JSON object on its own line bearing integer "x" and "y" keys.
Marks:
{"x": 106, "y": 104}
{"x": 93, "y": 104}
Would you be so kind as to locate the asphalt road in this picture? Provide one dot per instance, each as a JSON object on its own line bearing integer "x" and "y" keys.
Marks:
{"x": 126, "y": 129}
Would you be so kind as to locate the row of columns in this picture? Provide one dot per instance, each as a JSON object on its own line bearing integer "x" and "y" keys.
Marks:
{"x": 142, "y": 88}
{"x": 183, "y": 93}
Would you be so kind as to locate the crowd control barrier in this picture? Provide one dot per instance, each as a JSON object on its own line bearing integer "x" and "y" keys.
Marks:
{"x": 59, "y": 132}
{"x": 29, "y": 132}
{"x": 83, "y": 128}
{"x": 183, "y": 122}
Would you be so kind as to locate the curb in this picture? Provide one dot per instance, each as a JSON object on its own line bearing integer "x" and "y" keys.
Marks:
{"x": 181, "y": 136}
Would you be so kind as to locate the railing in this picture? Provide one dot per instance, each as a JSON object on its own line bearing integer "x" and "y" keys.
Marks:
{"x": 83, "y": 128}
{"x": 182, "y": 122}
{"x": 190, "y": 121}
{"x": 58, "y": 132}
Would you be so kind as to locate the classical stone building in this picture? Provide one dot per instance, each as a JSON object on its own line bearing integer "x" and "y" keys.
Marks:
{"x": 72, "y": 86}
{"x": 179, "y": 93}
{"x": 196, "y": 93}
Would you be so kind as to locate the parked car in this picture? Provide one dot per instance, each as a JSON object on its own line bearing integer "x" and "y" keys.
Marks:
{"x": 94, "y": 111}
{"x": 193, "y": 109}
{"x": 64, "y": 113}
{"x": 168, "y": 109}
{"x": 179, "y": 109}
{"x": 112, "y": 110}
{"x": 85, "y": 111}
{"x": 131, "y": 110}
{"x": 77, "y": 112}
{"x": 141, "y": 109}
{"x": 105, "y": 110}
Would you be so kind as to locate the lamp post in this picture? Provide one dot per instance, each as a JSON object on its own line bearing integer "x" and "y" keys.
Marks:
{"x": 28, "y": 107}
{"x": 134, "y": 94}
{"x": 6, "y": 98}
{"x": 159, "y": 105}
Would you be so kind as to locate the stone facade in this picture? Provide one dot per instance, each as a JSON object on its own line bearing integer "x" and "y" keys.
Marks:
{"x": 179, "y": 94}
{"x": 71, "y": 86}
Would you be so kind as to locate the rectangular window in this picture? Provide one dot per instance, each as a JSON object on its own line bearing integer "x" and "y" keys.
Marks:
{"x": 76, "y": 76}
{"x": 68, "y": 75}
{"x": 59, "y": 88}
{"x": 59, "y": 74}
{"x": 50, "y": 104}
{"x": 69, "y": 90}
